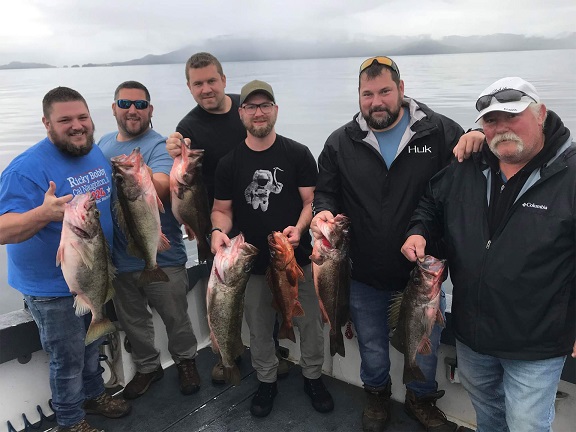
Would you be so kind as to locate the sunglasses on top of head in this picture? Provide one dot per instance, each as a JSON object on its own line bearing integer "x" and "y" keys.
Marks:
{"x": 502, "y": 96}
{"x": 127, "y": 103}
{"x": 383, "y": 60}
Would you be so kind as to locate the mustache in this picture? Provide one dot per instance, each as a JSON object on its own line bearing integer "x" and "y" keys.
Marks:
{"x": 379, "y": 109}
{"x": 506, "y": 136}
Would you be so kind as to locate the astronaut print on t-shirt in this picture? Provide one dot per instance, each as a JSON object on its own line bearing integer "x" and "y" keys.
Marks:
{"x": 263, "y": 183}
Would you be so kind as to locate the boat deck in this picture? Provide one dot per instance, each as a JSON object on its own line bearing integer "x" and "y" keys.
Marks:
{"x": 219, "y": 408}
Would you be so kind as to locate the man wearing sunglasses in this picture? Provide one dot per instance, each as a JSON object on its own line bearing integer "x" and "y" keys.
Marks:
{"x": 266, "y": 184}
{"x": 374, "y": 169}
{"x": 507, "y": 217}
{"x": 215, "y": 126}
{"x": 133, "y": 112}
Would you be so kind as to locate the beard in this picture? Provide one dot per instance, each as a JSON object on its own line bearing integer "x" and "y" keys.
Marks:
{"x": 507, "y": 136}
{"x": 382, "y": 123}
{"x": 260, "y": 131}
{"x": 65, "y": 144}
{"x": 133, "y": 130}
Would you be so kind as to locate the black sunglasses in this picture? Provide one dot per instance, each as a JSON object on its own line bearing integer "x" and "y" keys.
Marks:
{"x": 503, "y": 96}
{"x": 127, "y": 103}
{"x": 383, "y": 60}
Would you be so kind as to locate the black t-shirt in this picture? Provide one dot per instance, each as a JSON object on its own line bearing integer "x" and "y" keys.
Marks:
{"x": 217, "y": 134}
{"x": 263, "y": 187}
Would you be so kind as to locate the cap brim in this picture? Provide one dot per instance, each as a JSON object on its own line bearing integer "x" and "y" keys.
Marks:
{"x": 511, "y": 107}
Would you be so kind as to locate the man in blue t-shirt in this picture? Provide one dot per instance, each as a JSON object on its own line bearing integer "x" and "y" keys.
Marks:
{"x": 133, "y": 112}
{"x": 34, "y": 189}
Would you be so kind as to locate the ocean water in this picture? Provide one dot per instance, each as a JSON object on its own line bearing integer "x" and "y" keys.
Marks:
{"x": 314, "y": 96}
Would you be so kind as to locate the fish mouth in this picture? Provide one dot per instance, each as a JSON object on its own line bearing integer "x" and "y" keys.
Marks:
{"x": 432, "y": 265}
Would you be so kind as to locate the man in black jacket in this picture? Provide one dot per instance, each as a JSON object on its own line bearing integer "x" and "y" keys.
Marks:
{"x": 507, "y": 217}
{"x": 374, "y": 169}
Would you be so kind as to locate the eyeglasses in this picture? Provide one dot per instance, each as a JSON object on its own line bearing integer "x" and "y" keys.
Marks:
{"x": 265, "y": 107}
{"x": 127, "y": 103}
{"x": 506, "y": 95}
{"x": 383, "y": 60}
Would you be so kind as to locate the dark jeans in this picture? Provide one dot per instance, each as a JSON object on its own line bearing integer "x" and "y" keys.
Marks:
{"x": 75, "y": 373}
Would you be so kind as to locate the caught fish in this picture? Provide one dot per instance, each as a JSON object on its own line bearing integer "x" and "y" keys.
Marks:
{"x": 331, "y": 268}
{"x": 137, "y": 210}
{"x": 189, "y": 198}
{"x": 225, "y": 301}
{"x": 414, "y": 312}
{"x": 283, "y": 275}
{"x": 85, "y": 259}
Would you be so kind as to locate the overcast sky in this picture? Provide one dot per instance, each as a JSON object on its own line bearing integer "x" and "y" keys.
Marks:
{"x": 62, "y": 32}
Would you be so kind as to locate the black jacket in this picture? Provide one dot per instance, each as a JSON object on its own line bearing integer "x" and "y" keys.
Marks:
{"x": 355, "y": 180}
{"x": 514, "y": 291}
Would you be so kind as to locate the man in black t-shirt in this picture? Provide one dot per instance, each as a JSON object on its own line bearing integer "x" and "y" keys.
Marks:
{"x": 267, "y": 184}
{"x": 213, "y": 125}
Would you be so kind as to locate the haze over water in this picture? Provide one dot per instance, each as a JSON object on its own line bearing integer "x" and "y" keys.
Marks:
{"x": 315, "y": 97}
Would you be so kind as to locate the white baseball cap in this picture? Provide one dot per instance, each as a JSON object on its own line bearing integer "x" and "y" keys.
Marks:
{"x": 510, "y": 94}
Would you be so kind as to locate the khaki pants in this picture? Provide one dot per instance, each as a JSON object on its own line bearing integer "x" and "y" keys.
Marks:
{"x": 170, "y": 301}
{"x": 260, "y": 317}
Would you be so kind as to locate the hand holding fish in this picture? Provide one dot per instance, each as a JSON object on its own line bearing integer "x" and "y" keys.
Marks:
{"x": 174, "y": 144}
{"x": 324, "y": 215}
{"x": 574, "y": 351}
{"x": 53, "y": 207}
{"x": 293, "y": 235}
{"x": 414, "y": 248}
{"x": 218, "y": 241}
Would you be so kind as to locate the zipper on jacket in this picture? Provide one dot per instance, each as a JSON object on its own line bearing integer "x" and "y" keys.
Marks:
{"x": 488, "y": 244}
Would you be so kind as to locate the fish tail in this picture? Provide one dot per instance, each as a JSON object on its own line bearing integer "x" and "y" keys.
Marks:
{"x": 337, "y": 343}
{"x": 232, "y": 375}
{"x": 155, "y": 274}
{"x": 412, "y": 373}
{"x": 97, "y": 329}
{"x": 286, "y": 332}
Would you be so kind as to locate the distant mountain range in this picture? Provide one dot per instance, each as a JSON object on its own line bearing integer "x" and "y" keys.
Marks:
{"x": 251, "y": 49}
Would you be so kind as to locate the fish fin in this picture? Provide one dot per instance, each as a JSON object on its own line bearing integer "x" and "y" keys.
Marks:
{"x": 110, "y": 292}
{"x": 292, "y": 275}
{"x": 87, "y": 259}
{"x": 81, "y": 305}
{"x": 297, "y": 310}
{"x": 394, "y": 309}
{"x": 163, "y": 243}
{"x": 440, "y": 319}
{"x": 412, "y": 373}
{"x": 160, "y": 205}
{"x": 323, "y": 312}
{"x": 337, "y": 343}
{"x": 232, "y": 375}
{"x": 397, "y": 339}
{"x": 60, "y": 254}
{"x": 97, "y": 329}
{"x": 286, "y": 332}
{"x": 119, "y": 212}
{"x": 152, "y": 275}
{"x": 425, "y": 346}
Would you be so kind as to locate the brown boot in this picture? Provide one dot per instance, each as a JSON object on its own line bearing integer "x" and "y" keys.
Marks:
{"x": 188, "y": 378}
{"x": 107, "y": 406}
{"x": 376, "y": 414}
{"x": 424, "y": 410}
{"x": 140, "y": 383}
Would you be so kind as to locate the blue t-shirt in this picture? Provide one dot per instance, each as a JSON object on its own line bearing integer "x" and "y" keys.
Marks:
{"x": 153, "y": 149}
{"x": 390, "y": 140}
{"x": 32, "y": 263}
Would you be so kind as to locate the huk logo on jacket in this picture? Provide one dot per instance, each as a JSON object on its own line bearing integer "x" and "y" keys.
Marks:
{"x": 421, "y": 149}
{"x": 536, "y": 206}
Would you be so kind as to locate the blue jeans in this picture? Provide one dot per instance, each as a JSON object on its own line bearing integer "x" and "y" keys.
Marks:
{"x": 510, "y": 395}
{"x": 369, "y": 310}
{"x": 75, "y": 373}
